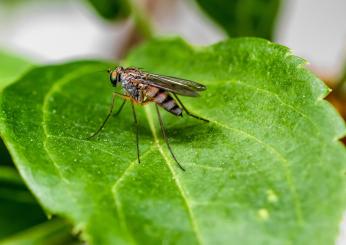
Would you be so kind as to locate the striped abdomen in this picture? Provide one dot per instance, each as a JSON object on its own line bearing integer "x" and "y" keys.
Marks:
{"x": 163, "y": 99}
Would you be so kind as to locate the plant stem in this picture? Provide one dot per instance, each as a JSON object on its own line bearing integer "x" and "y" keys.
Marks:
{"x": 141, "y": 19}
{"x": 139, "y": 30}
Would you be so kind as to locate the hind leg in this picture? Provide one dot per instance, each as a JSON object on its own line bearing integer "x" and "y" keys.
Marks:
{"x": 187, "y": 112}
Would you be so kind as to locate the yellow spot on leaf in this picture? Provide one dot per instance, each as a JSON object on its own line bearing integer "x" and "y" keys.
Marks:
{"x": 272, "y": 197}
{"x": 263, "y": 214}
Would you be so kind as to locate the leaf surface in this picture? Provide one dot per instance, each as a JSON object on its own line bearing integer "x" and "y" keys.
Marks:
{"x": 18, "y": 208}
{"x": 268, "y": 164}
{"x": 243, "y": 17}
{"x": 11, "y": 67}
{"x": 22, "y": 220}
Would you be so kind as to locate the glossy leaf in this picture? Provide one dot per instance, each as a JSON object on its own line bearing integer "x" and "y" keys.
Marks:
{"x": 11, "y": 68}
{"x": 18, "y": 208}
{"x": 268, "y": 164}
{"x": 243, "y": 18}
{"x": 22, "y": 220}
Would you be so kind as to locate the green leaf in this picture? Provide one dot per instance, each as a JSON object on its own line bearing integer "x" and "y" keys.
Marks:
{"x": 119, "y": 9}
{"x": 268, "y": 164}
{"x": 111, "y": 9}
{"x": 18, "y": 209}
{"x": 11, "y": 68}
{"x": 340, "y": 89}
{"x": 51, "y": 232}
{"x": 22, "y": 220}
{"x": 243, "y": 18}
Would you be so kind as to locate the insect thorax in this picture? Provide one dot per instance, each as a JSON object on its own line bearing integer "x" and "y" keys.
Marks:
{"x": 132, "y": 87}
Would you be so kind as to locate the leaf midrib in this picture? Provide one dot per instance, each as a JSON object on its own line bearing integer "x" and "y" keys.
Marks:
{"x": 272, "y": 150}
{"x": 76, "y": 73}
{"x": 55, "y": 88}
{"x": 175, "y": 177}
{"x": 117, "y": 198}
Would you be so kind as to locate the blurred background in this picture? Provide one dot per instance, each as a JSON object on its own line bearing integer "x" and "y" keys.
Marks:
{"x": 50, "y": 31}
{"x": 56, "y": 30}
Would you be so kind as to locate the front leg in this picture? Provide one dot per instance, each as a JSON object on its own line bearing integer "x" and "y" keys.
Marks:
{"x": 125, "y": 97}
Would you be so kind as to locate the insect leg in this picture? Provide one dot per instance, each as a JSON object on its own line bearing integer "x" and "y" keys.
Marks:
{"x": 123, "y": 96}
{"x": 120, "y": 108}
{"x": 137, "y": 135}
{"x": 165, "y": 137}
{"x": 187, "y": 112}
{"x": 105, "y": 121}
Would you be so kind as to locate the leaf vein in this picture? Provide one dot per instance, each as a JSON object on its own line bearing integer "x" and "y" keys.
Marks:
{"x": 178, "y": 184}
{"x": 285, "y": 164}
{"x": 116, "y": 196}
{"x": 272, "y": 94}
{"x": 55, "y": 87}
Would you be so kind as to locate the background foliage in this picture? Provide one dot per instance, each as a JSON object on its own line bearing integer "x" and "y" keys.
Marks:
{"x": 243, "y": 18}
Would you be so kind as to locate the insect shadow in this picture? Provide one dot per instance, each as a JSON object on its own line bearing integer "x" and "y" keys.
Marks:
{"x": 186, "y": 132}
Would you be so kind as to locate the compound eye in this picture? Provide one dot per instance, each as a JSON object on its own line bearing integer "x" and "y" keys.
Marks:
{"x": 113, "y": 77}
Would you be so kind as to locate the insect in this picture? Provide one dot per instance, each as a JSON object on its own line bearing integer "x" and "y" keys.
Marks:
{"x": 141, "y": 87}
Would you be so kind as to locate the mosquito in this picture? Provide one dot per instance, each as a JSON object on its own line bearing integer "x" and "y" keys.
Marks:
{"x": 141, "y": 87}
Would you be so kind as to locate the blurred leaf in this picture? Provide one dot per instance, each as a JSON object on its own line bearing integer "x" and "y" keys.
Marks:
{"x": 11, "y": 67}
{"x": 111, "y": 9}
{"x": 8, "y": 174}
{"x": 243, "y": 17}
{"x": 54, "y": 232}
{"x": 341, "y": 87}
{"x": 18, "y": 208}
{"x": 11, "y": 3}
{"x": 268, "y": 164}
{"x": 22, "y": 220}
{"x": 338, "y": 95}
{"x": 18, "y": 211}
{"x": 5, "y": 158}
{"x": 118, "y": 9}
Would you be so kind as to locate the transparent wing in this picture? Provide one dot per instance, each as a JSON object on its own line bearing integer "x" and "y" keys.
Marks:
{"x": 176, "y": 85}
{"x": 179, "y": 82}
